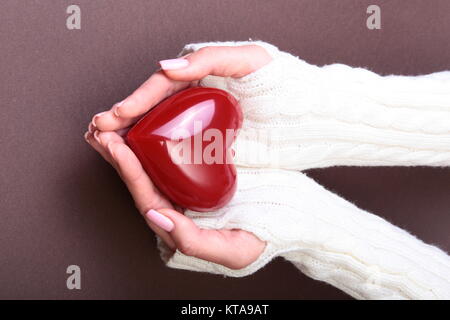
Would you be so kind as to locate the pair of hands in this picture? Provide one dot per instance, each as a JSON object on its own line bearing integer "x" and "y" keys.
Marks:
{"x": 233, "y": 248}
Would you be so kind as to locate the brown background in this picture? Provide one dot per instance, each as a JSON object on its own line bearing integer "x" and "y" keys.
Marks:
{"x": 61, "y": 204}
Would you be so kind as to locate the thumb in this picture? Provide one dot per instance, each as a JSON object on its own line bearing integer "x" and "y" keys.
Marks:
{"x": 234, "y": 249}
{"x": 223, "y": 61}
{"x": 183, "y": 232}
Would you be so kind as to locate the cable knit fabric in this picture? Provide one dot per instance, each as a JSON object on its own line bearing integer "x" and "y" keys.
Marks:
{"x": 326, "y": 237}
{"x": 299, "y": 116}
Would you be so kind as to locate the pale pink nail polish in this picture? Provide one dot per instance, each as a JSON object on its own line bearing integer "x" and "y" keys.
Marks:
{"x": 174, "y": 64}
{"x": 91, "y": 128}
{"x": 96, "y": 117}
{"x": 97, "y": 137}
{"x": 116, "y": 108}
{"x": 160, "y": 220}
{"x": 86, "y": 136}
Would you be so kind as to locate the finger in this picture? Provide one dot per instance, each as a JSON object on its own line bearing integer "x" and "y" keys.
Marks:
{"x": 89, "y": 137}
{"x": 105, "y": 137}
{"x": 144, "y": 193}
{"x": 99, "y": 145}
{"x": 108, "y": 121}
{"x": 100, "y": 141}
{"x": 223, "y": 61}
{"x": 151, "y": 92}
{"x": 220, "y": 61}
{"x": 145, "y": 199}
{"x": 232, "y": 248}
{"x": 127, "y": 112}
{"x": 163, "y": 234}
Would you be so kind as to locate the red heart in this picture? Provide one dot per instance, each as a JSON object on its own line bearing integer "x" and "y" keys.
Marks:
{"x": 184, "y": 146}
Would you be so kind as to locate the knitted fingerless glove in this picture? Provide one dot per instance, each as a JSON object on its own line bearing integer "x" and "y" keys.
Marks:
{"x": 326, "y": 237}
{"x": 300, "y": 116}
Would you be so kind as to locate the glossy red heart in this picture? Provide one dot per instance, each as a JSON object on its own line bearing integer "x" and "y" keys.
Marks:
{"x": 184, "y": 146}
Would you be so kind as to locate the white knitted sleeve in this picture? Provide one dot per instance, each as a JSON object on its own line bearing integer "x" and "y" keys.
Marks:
{"x": 301, "y": 116}
{"x": 326, "y": 237}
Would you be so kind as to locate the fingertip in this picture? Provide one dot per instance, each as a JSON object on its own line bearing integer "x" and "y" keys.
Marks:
{"x": 223, "y": 61}
{"x": 174, "y": 64}
{"x": 91, "y": 127}
{"x": 174, "y": 69}
{"x": 97, "y": 136}
{"x": 91, "y": 140}
{"x": 126, "y": 109}
{"x": 116, "y": 108}
{"x": 97, "y": 117}
{"x": 195, "y": 69}
{"x": 160, "y": 220}
{"x": 86, "y": 136}
{"x": 103, "y": 121}
{"x": 172, "y": 214}
{"x": 104, "y": 137}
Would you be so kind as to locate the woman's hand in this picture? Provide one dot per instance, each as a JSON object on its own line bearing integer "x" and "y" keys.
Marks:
{"x": 231, "y": 248}
{"x": 178, "y": 74}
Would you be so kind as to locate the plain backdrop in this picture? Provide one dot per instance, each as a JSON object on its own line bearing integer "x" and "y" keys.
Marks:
{"x": 61, "y": 204}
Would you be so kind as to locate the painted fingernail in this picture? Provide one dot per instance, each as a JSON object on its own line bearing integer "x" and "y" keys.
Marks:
{"x": 94, "y": 119}
{"x": 91, "y": 127}
{"x": 160, "y": 220}
{"x": 116, "y": 108}
{"x": 96, "y": 136}
{"x": 174, "y": 64}
{"x": 86, "y": 136}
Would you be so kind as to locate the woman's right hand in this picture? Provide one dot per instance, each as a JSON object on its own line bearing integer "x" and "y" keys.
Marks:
{"x": 234, "y": 249}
